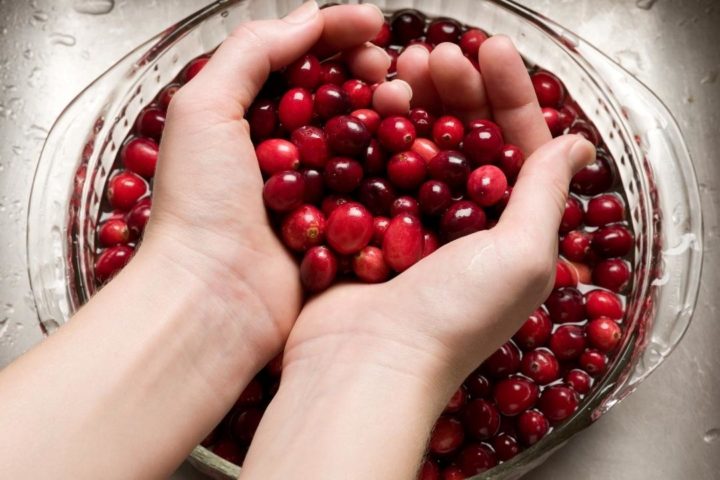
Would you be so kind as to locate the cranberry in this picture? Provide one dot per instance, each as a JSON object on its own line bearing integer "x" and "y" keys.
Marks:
{"x": 114, "y": 231}
{"x": 594, "y": 178}
{"x": 403, "y": 242}
{"x": 558, "y": 402}
{"x": 575, "y": 246}
{"x": 295, "y": 108}
{"x": 380, "y": 225}
{"x": 311, "y": 145}
{"x": 245, "y": 423}
{"x": 532, "y": 426}
{"x": 349, "y": 229}
{"x": 535, "y": 331}
{"x": 604, "y": 209}
{"x": 448, "y": 132}
{"x": 541, "y": 366}
{"x": 342, "y": 175}
{"x": 549, "y": 90}
{"x": 151, "y": 122}
{"x": 425, "y": 148}
{"x": 251, "y": 396}
{"x": 194, "y": 67}
{"x": 377, "y": 195}
{"x": 613, "y": 274}
{"x": 566, "y": 305}
{"x": 453, "y": 472}
{"x": 333, "y": 72}
{"x": 303, "y": 228}
{"x": 481, "y": 419}
{"x": 483, "y": 143}
{"x": 396, "y": 133}
{"x": 486, "y": 185}
{"x": 593, "y": 362}
{"x": 369, "y": 265}
{"x": 284, "y": 191}
{"x": 601, "y": 303}
{"x": 447, "y": 436}
{"x": 375, "y": 159}
{"x": 567, "y": 342}
{"x": 434, "y": 197}
{"x": 429, "y": 471}
{"x": 331, "y": 202}
{"x": 305, "y": 72}
{"x": 318, "y": 269}
{"x": 471, "y": 40}
{"x": 111, "y": 261}
{"x": 359, "y": 93}
{"x": 347, "y": 135}
{"x": 457, "y": 401}
{"x": 612, "y": 241}
{"x": 138, "y": 217}
{"x": 405, "y": 204}
{"x": 564, "y": 275}
{"x": 330, "y": 101}
{"x": 443, "y": 30}
{"x": 370, "y": 118}
{"x": 503, "y": 362}
{"x": 554, "y": 121}
{"x": 450, "y": 167}
{"x": 407, "y": 25}
{"x": 572, "y": 216}
{"x": 382, "y": 39}
{"x": 476, "y": 459}
{"x": 579, "y": 380}
{"x": 477, "y": 385}
{"x": 166, "y": 94}
{"x": 511, "y": 160}
{"x": 460, "y": 219}
{"x": 406, "y": 170}
{"x": 505, "y": 446}
{"x": 603, "y": 333}
{"x": 276, "y": 155}
{"x": 262, "y": 118}
{"x": 422, "y": 120}
{"x": 314, "y": 186}
{"x": 514, "y": 395}
{"x": 140, "y": 155}
{"x": 587, "y": 130}
{"x": 393, "y": 54}
{"x": 125, "y": 189}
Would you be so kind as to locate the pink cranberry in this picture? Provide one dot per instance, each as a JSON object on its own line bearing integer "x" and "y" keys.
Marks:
{"x": 476, "y": 459}
{"x": 150, "y": 122}
{"x": 425, "y": 148}
{"x": 359, "y": 93}
{"x": 296, "y": 108}
{"x": 342, "y": 175}
{"x": 549, "y": 89}
{"x": 448, "y": 132}
{"x": 429, "y": 471}
{"x": 575, "y": 245}
{"x": 330, "y": 101}
{"x": 251, "y": 396}
{"x": 405, "y": 204}
{"x": 554, "y": 121}
{"x": 245, "y": 423}
{"x": 613, "y": 241}
{"x": 612, "y": 273}
{"x": 511, "y": 160}
{"x": 396, "y": 133}
{"x": 111, "y": 261}
{"x": 572, "y": 216}
{"x": 471, "y": 40}
{"x": 369, "y": 265}
{"x": 587, "y": 130}
{"x": 481, "y": 419}
{"x": 382, "y": 39}
{"x": 304, "y": 72}
{"x": 566, "y": 305}
{"x": 462, "y": 218}
{"x": 262, "y": 118}
{"x": 311, "y": 145}
{"x": 477, "y": 385}
{"x": 579, "y": 380}
{"x": 443, "y": 30}
{"x": 314, "y": 186}
{"x": 593, "y": 362}
{"x": 370, "y": 118}
{"x": 564, "y": 275}
{"x": 505, "y": 446}
{"x": 377, "y": 195}
{"x": 594, "y": 178}
{"x": 483, "y": 143}
{"x": 558, "y": 402}
{"x": 434, "y": 197}
{"x": 333, "y": 72}
{"x": 403, "y": 242}
{"x": 114, "y": 231}
{"x": 284, "y": 191}
{"x": 503, "y": 362}
{"x": 567, "y": 342}
{"x": 166, "y": 94}
{"x": 422, "y": 120}
{"x": 447, "y": 436}
{"x": 604, "y": 209}
{"x": 140, "y": 155}
{"x": 541, "y": 366}
{"x": 318, "y": 269}
{"x": 601, "y": 303}
{"x": 457, "y": 401}
{"x": 347, "y": 135}
{"x": 276, "y": 155}
{"x": 375, "y": 159}
{"x": 535, "y": 332}
{"x": 138, "y": 217}
{"x": 486, "y": 185}
{"x": 406, "y": 170}
{"x": 406, "y": 26}
{"x": 331, "y": 202}
{"x": 350, "y": 228}
{"x": 514, "y": 395}
{"x": 303, "y": 228}
{"x": 603, "y": 333}
{"x": 125, "y": 189}
{"x": 531, "y": 427}
{"x": 450, "y": 167}
{"x": 194, "y": 67}
{"x": 380, "y": 225}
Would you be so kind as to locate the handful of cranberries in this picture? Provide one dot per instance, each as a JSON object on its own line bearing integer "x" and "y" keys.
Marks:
{"x": 357, "y": 195}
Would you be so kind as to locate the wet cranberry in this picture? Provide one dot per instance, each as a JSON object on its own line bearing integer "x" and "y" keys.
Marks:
{"x": 251, "y": 396}
{"x": 194, "y": 67}
{"x": 554, "y": 121}
{"x": 443, "y": 30}
{"x": 531, "y": 427}
{"x": 314, "y": 186}
{"x": 125, "y": 189}
{"x": 114, "y": 231}
{"x": 601, "y": 303}
{"x": 303, "y": 228}
{"x": 505, "y": 446}
{"x": 375, "y": 159}
{"x": 511, "y": 160}
{"x": 342, "y": 175}
{"x": 140, "y": 156}
{"x": 406, "y": 170}
{"x": 481, "y": 419}
{"x": 166, "y": 95}
{"x": 406, "y": 26}
{"x": 558, "y": 402}
{"x": 333, "y": 72}
{"x": 111, "y": 261}
{"x": 447, "y": 436}
{"x": 603, "y": 333}
{"x": 358, "y": 93}
{"x": 295, "y": 108}
{"x": 425, "y": 148}
{"x": 377, "y": 195}
{"x": 434, "y": 197}
{"x": 575, "y": 245}
{"x": 318, "y": 269}
{"x": 331, "y": 202}
{"x": 370, "y": 118}
{"x": 403, "y": 242}
{"x": 613, "y": 274}
{"x": 567, "y": 342}
{"x": 369, "y": 265}
{"x": 138, "y": 217}
{"x": 572, "y": 216}
{"x": 262, "y": 118}
{"x": 593, "y": 362}
{"x": 347, "y": 135}
{"x": 422, "y": 120}
{"x": 382, "y": 39}
{"x": 276, "y": 155}
{"x": 612, "y": 241}
{"x": 150, "y": 122}
{"x": 535, "y": 332}
{"x": 380, "y": 225}
{"x": 566, "y": 305}
{"x": 474, "y": 459}
{"x": 541, "y": 366}
{"x": 396, "y": 133}
{"x": 503, "y": 362}
{"x": 549, "y": 90}
{"x": 450, "y": 167}
{"x": 604, "y": 209}
{"x": 471, "y": 40}
{"x": 448, "y": 132}
{"x": 457, "y": 401}
{"x": 311, "y": 145}
{"x": 284, "y": 191}
{"x": 330, "y": 101}
{"x": 405, "y": 204}
{"x": 305, "y": 72}
{"x": 350, "y": 228}
{"x": 483, "y": 144}
{"x": 477, "y": 385}
{"x": 429, "y": 471}
{"x": 579, "y": 380}
{"x": 594, "y": 178}
{"x": 587, "y": 130}
{"x": 514, "y": 395}
{"x": 460, "y": 219}
{"x": 486, "y": 185}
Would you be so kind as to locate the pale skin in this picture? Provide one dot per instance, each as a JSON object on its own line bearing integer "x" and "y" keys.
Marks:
{"x": 146, "y": 369}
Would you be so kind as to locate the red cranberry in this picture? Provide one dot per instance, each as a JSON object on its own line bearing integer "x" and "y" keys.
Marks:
{"x": 406, "y": 170}
{"x": 251, "y": 396}
{"x": 230, "y": 451}
{"x": 434, "y": 197}
{"x": 476, "y": 459}
{"x": 603, "y": 333}
{"x": 612, "y": 241}
{"x": 430, "y": 243}
{"x": 304, "y": 72}
{"x": 311, "y": 145}
{"x": 554, "y": 121}
{"x": 471, "y": 40}
{"x": 369, "y": 265}
{"x": 138, "y": 217}
{"x": 314, "y": 186}
{"x": 380, "y": 225}
{"x": 422, "y": 120}
{"x": 549, "y": 90}
{"x": 245, "y": 423}
{"x": 457, "y": 401}
{"x": 593, "y": 362}
{"x": 568, "y": 114}
{"x": 535, "y": 331}
{"x": 407, "y": 25}
{"x": 377, "y": 195}
{"x": 594, "y": 178}
{"x": 342, "y": 175}
{"x": 347, "y": 135}
{"x": 405, "y": 204}
{"x": 425, "y": 148}
{"x": 566, "y": 305}
{"x": 150, "y": 122}
{"x": 443, "y": 30}
{"x": 514, "y": 395}
{"x": 350, "y": 228}
{"x": 333, "y": 72}
{"x": 505, "y": 446}
{"x": 558, "y": 402}
{"x": 318, "y": 269}
{"x": 503, "y": 362}
{"x": 453, "y": 472}
{"x": 572, "y": 216}
{"x": 295, "y": 108}
{"x": 604, "y": 209}
{"x": 541, "y": 366}
{"x": 450, "y": 167}
{"x": 382, "y": 39}
{"x": 140, "y": 155}
{"x": 532, "y": 426}
{"x": 303, "y": 228}
{"x": 166, "y": 95}
{"x": 331, "y": 202}
{"x": 462, "y": 218}
{"x": 587, "y": 130}
{"x": 194, "y": 67}
{"x": 375, "y": 159}
{"x": 613, "y": 274}
{"x": 370, "y": 118}
{"x": 276, "y": 155}
{"x": 111, "y": 261}
{"x": 403, "y": 242}
{"x": 483, "y": 143}
{"x": 262, "y": 118}
{"x": 564, "y": 275}
{"x": 481, "y": 419}
{"x": 330, "y": 101}
{"x": 284, "y": 191}
{"x": 567, "y": 342}
{"x": 448, "y": 132}
{"x": 125, "y": 189}
{"x": 447, "y": 436}
{"x": 511, "y": 160}
{"x": 575, "y": 245}
{"x": 359, "y": 93}
{"x": 486, "y": 185}
{"x": 429, "y": 471}
{"x": 579, "y": 380}
{"x": 601, "y": 303}
{"x": 396, "y": 133}
{"x": 114, "y": 231}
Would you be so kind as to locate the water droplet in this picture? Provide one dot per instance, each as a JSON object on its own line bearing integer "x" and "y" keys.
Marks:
{"x": 711, "y": 435}
{"x": 645, "y": 4}
{"x": 28, "y": 54}
{"x": 34, "y": 77}
{"x": 710, "y": 77}
{"x": 94, "y": 7}
{"x": 39, "y": 17}
{"x": 17, "y": 150}
{"x": 64, "y": 39}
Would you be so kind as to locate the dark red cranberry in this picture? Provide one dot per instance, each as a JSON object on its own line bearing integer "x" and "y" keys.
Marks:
{"x": 481, "y": 419}
{"x": 425, "y": 148}
{"x": 443, "y": 30}
{"x": 603, "y": 333}
{"x": 407, "y": 25}
{"x": 251, "y": 396}
{"x": 505, "y": 446}
{"x": 579, "y": 380}
{"x": 593, "y": 362}
{"x": 587, "y": 130}
{"x": 284, "y": 191}
{"x": 429, "y": 471}
{"x": 477, "y": 385}
{"x": 245, "y": 423}
{"x": 531, "y": 427}
{"x": 138, "y": 217}
{"x": 380, "y": 225}
{"x": 358, "y": 93}
{"x": 477, "y": 458}
{"x": 453, "y": 472}
{"x": 370, "y": 118}
{"x": 406, "y": 170}
{"x": 305, "y": 72}
{"x": 422, "y": 120}
{"x": 111, "y": 261}
{"x": 333, "y": 72}
{"x": 457, "y": 401}
{"x": 314, "y": 186}
{"x": 330, "y": 101}
{"x": 567, "y": 342}
{"x": 613, "y": 274}
{"x": 434, "y": 197}
{"x": 403, "y": 242}
{"x": 460, "y": 219}
{"x": 262, "y": 118}
{"x": 369, "y": 265}
{"x": 350, "y": 228}
{"x": 572, "y": 216}
{"x": 295, "y": 108}
{"x": 554, "y": 121}
{"x": 276, "y": 155}
{"x": 342, "y": 175}
{"x": 377, "y": 195}
{"x": 140, "y": 155}
{"x": 311, "y": 145}
{"x": 613, "y": 241}
{"x": 450, "y": 167}
{"x": 486, "y": 185}
{"x": 382, "y": 39}
{"x": 594, "y": 178}
{"x": 535, "y": 332}
{"x": 483, "y": 143}
{"x": 601, "y": 303}
{"x": 564, "y": 275}
{"x": 194, "y": 67}
{"x": 150, "y": 122}
{"x": 448, "y": 132}
{"x": 303, "y": 228}
{"x": 471, "y": 40}
{"x": 114, "y": 231}
{"x": 166, "y": 94}
{"x": 318, "y": 269}
{"x": 604, "y": 209}
{"x": 548, "y": 88}
{"x": 568, "y": 114}
{"x": 331, "y": 202}
{"x": 405, "y": 204}
{"x": 575, "y": 245}
{"x": 566, "y": 305}
{"x": 541, "y": 366}
{"x": 558, "y": 402}
{"x": 347, "y": 135}
{"x": 447, "y": 436}
{"x": 503, "y": 362}
{"x": 430, "y": 243}
{"x": 514, "y": 395}
{"x": 511, "y": 160}
{"x": 375, "y": 159}
{"x": 125, "y": 189}
{"x": 396, "y": 133}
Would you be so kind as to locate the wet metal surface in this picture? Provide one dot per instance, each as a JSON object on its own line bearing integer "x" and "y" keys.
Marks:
{"x": 668, "y": 429}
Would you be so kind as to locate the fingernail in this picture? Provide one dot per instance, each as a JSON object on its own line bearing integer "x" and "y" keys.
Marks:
{"x": 405, "y": 85}
{"x": 376, "y": 8}
{"x": 417, "y": 46}
{"x": 582, "y": 154}
{"x": 303, "y": 13}
{"x": 382, "y": 50}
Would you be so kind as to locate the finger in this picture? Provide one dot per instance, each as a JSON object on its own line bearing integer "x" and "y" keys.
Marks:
{"x": 366, "y": 21}
{"x": 511, "y": 95}
{"x": 392, "y": 98}
{"x": 457, "y": 82}
{"x": 368, "y": 62}
{"x": 413, "y": 66}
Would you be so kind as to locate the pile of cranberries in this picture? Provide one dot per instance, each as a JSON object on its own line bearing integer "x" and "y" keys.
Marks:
{"x": 357, "y": 195}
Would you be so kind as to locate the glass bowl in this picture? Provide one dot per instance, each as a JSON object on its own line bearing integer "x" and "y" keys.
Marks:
{"x": 652, "y": 163}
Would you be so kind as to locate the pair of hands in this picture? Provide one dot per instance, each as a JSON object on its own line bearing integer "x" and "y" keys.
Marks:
{"x": 445, "y": 314}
